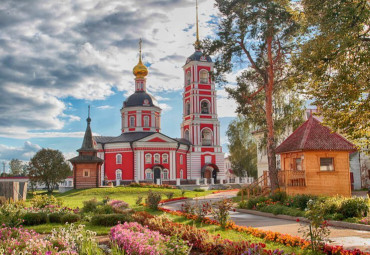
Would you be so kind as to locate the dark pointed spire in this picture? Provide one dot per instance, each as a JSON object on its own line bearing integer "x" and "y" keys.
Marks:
{"x": 88, "y": 143}
{"x": 197, "y": 42}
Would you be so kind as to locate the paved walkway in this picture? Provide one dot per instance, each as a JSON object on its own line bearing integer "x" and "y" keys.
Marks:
{"x": 349, "y": 238}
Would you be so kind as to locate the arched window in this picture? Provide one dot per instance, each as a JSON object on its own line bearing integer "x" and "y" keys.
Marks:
{"x": 165, "y": 158}
{"x": 146, "y": 121}
{"x": 181, "y": 159}
{"x": 118, "y": 174}
{"x": 206, "y": 137}
{"x": 187, "y": 135}
{"x": 148, "y": 158}
{"x": 188, "y": 78}
{"x": 165, "y": 174}
{"x": 187, "y": 108}
{"x": 204, "y": 105}
{"x": 132, "y": 121}
{"x": 157, "y": 158}
{"x": 203, "y": 75}
{"x": 118, "y": 159}
{"x": 148, "y": 174}
{"x": 181, "y": 174}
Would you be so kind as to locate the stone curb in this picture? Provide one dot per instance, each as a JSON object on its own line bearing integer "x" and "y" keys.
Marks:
{"x": 176, "y": 201}
{"x": 332, "y": 223}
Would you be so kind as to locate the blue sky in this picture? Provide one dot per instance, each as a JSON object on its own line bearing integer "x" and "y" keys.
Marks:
{"x": 58, "y": 57}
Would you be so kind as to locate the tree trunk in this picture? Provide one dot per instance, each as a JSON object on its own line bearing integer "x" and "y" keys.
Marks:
{"x": 269, "y": 120}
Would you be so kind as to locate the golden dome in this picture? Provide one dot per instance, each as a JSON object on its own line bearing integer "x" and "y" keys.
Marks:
{"x": 140, "y": 70}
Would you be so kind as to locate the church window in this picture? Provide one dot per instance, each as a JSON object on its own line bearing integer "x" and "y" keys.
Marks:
{"x": 156, "y": 122}
{"x": 132, "y": 121}
{"x": 181, "y": 174}
{"x": 188, "y": 78}
{"x": 118, "y": 174}
{"x": 208, "y": 159}
{"x": 206, "y": 137}
{"x": 187, "y": 108}
{"x": 187, "y": 135}
{"x": 181, "y": 159}
{"x": 148, "y": 158}
{"x": 148, "y": 174}
{"x": 118, "y": 159}
{"x": 165, "y": 158}
{"x": 165, "y": 174}
{"x": 204, "y": 107}
{"x": 146, "y": 121}
{"x": 157, "y": 158}
{"x": 86, "y": 173}
{"x": 203, "y": 74}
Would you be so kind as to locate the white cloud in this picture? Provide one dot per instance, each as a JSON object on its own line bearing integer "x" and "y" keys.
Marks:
{"x": 165, "y": 107}
{"x": 23, "y": 153}
{"x": 104, "y": 107}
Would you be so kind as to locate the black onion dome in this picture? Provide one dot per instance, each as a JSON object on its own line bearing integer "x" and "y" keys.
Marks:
{"x": 198, "y": 56}
{"x": 139, "y": 98}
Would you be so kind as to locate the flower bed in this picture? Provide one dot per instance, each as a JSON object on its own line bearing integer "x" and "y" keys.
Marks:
{"x": 285, "y": 239}
{"x": 172, "y": 199}
{"x": 226, "y": 190}
{"x": 134, "y": 238}
{"x": 200, "y": 239}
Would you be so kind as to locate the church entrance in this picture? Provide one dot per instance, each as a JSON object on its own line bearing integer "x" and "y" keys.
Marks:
{"x": 209, "y": 171}
{"x": 157, "y": 174}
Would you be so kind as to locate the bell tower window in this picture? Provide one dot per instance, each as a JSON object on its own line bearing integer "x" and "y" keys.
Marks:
{"x": 187, "y": 135}
{"x": 203, "y": 74}
{"x": 187, "y": 108}
{"x": 188, "y": 78}
{"x": 206, "y": 137}
{"x": 204, "y": 107}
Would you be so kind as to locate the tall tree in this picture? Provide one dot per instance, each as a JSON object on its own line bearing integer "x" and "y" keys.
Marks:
{"x": 243, "y": 150}
{"x": 256, "y": 35}
{"x": 48, "y": 167}
{"x": 333, "y": 64}
{"x": 16, "y": 167}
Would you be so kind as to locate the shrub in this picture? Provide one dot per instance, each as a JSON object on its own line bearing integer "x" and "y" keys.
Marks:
{"x": 198, "y": 190}
{"x": 153, "y": 199}
{"x": 90, "y": 205}
{"x": 220, "y": 211}
{"x": 139, "y": 200}
{"x": 279, "y": 196}
{"x": 330, "y": 205}
{"x": 55, "y": 217}
{"x": 2, "y": 200}
{"x": 41, "y": 201}
{"x": 183, "y": 192}
{"x": 110, "y": 219}
{"x": 300, "y": 201}
{"x": 118, "y": 206}
{"x": 104, "y": 209}
{"x": 31, "y": 219}
{"x": 187, "y": 207}
{"x": 169, "y": 195}
{"x": 252, "y": 202}
{"x": 70, "y": 218}
{"x": 354, "y": 207}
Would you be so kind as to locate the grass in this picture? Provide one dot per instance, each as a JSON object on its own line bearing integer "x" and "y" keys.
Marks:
{"x": 75, "y": 198}
{"x": 47, "y": 228}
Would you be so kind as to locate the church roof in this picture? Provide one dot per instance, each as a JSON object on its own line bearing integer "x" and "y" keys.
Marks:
{"x": 312, "y": 135}
{"x": 132, "y": 137}
{"x": 86, "y": 159}
{"x": 198, "y": 56}
{"x": 139, "y": 98}
{"x": 88, "y": 143}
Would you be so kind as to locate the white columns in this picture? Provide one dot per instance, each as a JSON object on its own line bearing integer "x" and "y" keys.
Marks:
{"x": 172, "y": 165}
{"x": 178, "y": 182}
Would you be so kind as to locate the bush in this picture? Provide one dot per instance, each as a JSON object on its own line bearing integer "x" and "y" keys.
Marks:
{"x": 31, "y": 219}
{"x": 70, "y": 218}
{"x": 169, "y": 195}
{"x": 281, "y": 209}
{"x": 41, "y": 201}
{"x": 104, "y": 209}
{"x": 2, "y": 200}
{"x": 55, "y": 217}
{"x": 252, "y": 202}
{"x": 90, "y": 205}
{"x": 279, "y": 196}
{"x": 139, "y": 200}
{"x": 110, "y": 219}
{"x": 153, "y": 200}
{"x": 354, "y": 207}
{"x": 300, "y": 201}
{"x": 199, "y": 190}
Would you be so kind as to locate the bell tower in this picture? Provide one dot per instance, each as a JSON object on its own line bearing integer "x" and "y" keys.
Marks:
{"x": 200, "y": 125}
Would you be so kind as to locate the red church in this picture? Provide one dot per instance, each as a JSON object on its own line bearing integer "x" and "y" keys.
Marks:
{"x": 143, "y": 154}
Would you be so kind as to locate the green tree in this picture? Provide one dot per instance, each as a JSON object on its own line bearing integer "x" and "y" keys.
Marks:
{"x": 333, "y": 64}
{"x": 256, "y": 35}
{"x": 16, "y": 167}
{"x": 243, "y": 150}
{"x": 48, "y": 167}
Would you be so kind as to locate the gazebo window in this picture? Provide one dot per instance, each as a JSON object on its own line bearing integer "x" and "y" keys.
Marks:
{"x": 148, "y": 158}
{"x": 165, "y": 158}
{"x": 203, "y": 74}
{"x": 326, "y": 164}
{"x": 298, "y": 164}
{"x": 118, "y": 159}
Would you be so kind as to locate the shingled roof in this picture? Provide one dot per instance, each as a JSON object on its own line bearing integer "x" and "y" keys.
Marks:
{"x": 312, "y": 135}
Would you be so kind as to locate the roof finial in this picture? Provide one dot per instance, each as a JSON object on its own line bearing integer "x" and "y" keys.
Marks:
{"x": 140, "y": 43}
{"x": 88, "y": 116}
{"x": 197, "y": 43}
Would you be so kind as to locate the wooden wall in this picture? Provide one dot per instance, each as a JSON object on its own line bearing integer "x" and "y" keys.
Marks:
{"x": 318, "y": 182}
{"x": 82, "y": 182}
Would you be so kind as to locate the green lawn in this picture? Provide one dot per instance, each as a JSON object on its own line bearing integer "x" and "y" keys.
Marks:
{"x": 75, "y": 198}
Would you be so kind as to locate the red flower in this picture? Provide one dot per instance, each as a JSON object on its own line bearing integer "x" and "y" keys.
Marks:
{"x": 297, "y": 220}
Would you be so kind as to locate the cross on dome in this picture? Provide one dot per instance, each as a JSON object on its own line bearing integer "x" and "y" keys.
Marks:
{"x": 140, "y": 70}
